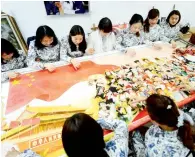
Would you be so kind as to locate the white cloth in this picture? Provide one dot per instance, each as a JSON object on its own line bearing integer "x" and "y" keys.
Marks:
{"x": 68, "y": 7}
{"x": 101, "y": 44}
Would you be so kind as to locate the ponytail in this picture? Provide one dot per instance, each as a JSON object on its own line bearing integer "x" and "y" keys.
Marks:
{"x": 185, "y": 134}
{"x": 146, "y": 25}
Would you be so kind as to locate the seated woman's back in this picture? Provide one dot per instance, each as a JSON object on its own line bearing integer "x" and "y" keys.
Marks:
{"x": 82, "y": 136}
{"x": 164, "y": 143}
{"x": 171, "y": 134}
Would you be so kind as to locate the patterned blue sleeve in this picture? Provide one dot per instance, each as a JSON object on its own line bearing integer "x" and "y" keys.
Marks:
{"x": 29, "y": 153}
{"x": 160, "y": 143}
{"x": 118, "y": 145}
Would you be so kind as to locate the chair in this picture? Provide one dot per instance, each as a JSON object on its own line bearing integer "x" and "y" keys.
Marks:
{"x": 29, "y": 39}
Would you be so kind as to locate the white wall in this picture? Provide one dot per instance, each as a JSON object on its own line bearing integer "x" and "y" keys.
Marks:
{"x": 31, "y": 14}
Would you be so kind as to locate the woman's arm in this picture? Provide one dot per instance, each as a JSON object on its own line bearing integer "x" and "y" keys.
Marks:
{"x": 31, "y": 58}
{"x": 118, "y": 145}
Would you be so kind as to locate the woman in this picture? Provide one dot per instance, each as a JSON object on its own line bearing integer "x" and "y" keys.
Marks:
{"x": 11, "y": 59}
{"x": 44, "y": 50}
{"x": 152, "y": 31}
{"x": 132, "y": 36}
{"x": 171, "y": 132}
{"x": 73, "y": 45}
{"x": 103, "y": 39}
{"x": 82, "y": 136}
{"x": 172, "y": 26}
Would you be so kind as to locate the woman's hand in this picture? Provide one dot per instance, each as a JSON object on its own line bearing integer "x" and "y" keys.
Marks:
{"x": 50, "y": 67}
{"x": 131, "y": 52}
{"x": 90, "y": 51}
{"x": 12, "y": 75}
{"x": 157, "y": 46}
{"x": 75, "y": 63}
{"x": 173, "y": 43}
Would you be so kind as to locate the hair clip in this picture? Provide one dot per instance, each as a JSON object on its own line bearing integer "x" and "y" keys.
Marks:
{"x": 169, "y": 107}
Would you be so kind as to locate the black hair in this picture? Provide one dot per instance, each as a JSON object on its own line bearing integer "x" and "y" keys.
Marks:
{"x": 174, "y": 12}
{"x": 77, "y": 30}
{"x": 105, "y": 25}
{"x": 8, "y": 48}
{"x": 136, "y": 18}
{"x": 157, "y": 105}
{"x": 43, "y": 31}
{"x": 82, "y": 136}
{"x": 152, "y": 14}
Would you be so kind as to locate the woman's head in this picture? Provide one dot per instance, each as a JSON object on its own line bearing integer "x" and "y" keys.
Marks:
{"x": 136, "y": 23}
{"x": 163, "y": 111}
{"x": 83, "y": 136}
{"x": 173, "y": 18}
{"x": 77, "y": 34}
{"x": 45, "y": 37}
{"x": 77, "y": 38}
{"x": 105, "y": 26}
{"x": 157, "y": 109}
{"x": 8, "y": 51}
{"x": 152, "y": 19}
